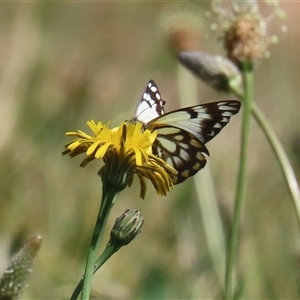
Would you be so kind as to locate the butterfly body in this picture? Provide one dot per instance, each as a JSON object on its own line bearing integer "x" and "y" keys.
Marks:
{"x": 182, "y": 133}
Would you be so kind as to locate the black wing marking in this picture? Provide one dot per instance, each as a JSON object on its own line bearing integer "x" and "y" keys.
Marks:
{"x": 150, "y": 105}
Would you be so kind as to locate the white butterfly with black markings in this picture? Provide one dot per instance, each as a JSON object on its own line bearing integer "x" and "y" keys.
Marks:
{"x": 182, "y": 133}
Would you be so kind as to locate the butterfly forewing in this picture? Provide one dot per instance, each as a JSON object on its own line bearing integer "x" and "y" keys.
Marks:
{"x": 203, "y": 121}
{"x": 181, "y": 134}
{"x": 150, "y": 105}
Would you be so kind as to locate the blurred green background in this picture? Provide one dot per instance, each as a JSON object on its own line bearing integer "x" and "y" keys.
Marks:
{"x": 64, "y": 63}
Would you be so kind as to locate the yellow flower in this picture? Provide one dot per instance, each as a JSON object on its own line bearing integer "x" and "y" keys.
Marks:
{"x": 126, "y": 150}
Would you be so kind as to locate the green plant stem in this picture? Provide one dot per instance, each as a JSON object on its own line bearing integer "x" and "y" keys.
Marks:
{"x": 241, "y": 181}
{"x": 280, "y": 155}
{"x": 107, "y": 253}
{"x": 108, "y": 199}
{"x": 204, "y": 187}
{"x": 283, "y": 161}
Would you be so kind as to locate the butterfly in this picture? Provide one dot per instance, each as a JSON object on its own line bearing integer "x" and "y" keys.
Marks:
{"x": 183, "y": 133}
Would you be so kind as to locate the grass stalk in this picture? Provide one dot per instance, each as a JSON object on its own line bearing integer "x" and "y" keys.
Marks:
{"x": 281, "y": 157}
{"x": 204, "y": 188}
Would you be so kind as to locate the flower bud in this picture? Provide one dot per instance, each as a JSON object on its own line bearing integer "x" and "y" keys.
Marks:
{"x": 126, "y": 228}
{"x": 217, "y": 71}
{"x": 16, "y": 275}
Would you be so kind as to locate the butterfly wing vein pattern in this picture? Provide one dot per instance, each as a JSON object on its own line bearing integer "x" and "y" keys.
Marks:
{"x": 182, "y": 133}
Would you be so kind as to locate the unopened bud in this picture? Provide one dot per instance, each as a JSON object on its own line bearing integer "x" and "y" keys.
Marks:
{"x": 217, "y": 71}
{"x": 126, "y": 228}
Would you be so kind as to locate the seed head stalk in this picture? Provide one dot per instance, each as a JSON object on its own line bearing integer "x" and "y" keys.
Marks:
{"x": 247, "y": 72}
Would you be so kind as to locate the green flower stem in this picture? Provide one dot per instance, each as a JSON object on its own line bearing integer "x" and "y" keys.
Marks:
{"x": 280, "y": 155}
{"x": 107, "y": 253}
{"x": 241, "y": 181}
{"x": 285, "y": 166}
{"x": 108, "y": 199}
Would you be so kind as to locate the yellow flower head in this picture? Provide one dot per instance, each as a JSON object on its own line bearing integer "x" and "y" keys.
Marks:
{"x": 126, "y": 150}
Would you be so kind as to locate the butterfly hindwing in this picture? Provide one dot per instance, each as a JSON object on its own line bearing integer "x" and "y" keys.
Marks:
{"x": 182, "y": 133}
{"x": 181, "y": 150}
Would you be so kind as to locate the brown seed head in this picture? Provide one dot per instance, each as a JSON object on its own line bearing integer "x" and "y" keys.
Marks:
{"x": 245, "y": 39}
